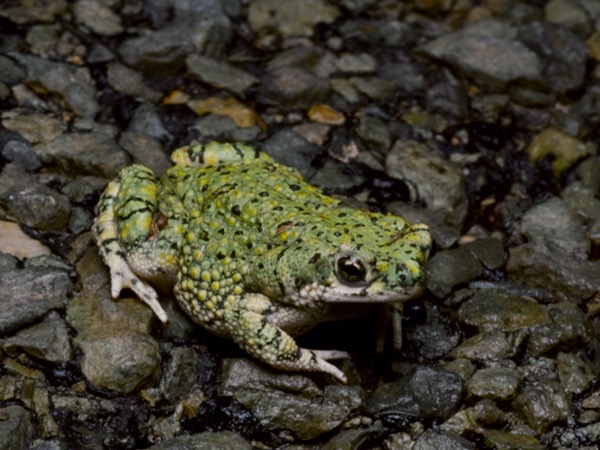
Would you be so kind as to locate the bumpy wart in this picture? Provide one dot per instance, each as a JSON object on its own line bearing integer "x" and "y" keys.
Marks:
{"x": 252, "y": 251}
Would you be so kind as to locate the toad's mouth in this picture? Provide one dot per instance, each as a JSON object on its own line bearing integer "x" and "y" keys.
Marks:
{"x": 374, "y": 292}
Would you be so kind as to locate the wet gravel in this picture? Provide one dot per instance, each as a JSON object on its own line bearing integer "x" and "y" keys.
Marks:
{"x": 479, "y": 118}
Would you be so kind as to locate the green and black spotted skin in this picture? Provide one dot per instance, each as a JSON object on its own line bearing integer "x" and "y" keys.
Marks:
{"x": 252, "y": 251}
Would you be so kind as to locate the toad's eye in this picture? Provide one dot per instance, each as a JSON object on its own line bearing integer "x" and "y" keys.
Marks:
{"x": 351, "y": 269}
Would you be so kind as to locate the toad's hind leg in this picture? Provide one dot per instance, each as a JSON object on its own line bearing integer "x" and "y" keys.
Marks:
{"x": 123, "y": 229}
{"x": 269, "y": 343}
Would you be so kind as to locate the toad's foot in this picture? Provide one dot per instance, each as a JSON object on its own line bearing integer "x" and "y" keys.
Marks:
{"x": 267, "y": 342}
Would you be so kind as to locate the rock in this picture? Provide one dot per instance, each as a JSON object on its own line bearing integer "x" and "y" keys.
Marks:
{"x": 408, "y": 77}
{"x": 14, "y": 148}
{"x": 73, "y": 83}
{"x": 180, "y": 28}
{"x": 574, "y": 373}
{"x": 313, "y": 58}
{"x": 449, "y": 268}
{"x": 146, "y": 121}
{"x": 288, "y": 401}
{"x": 374, "y": 132}
{"x": 488, "y": 52}
{"x": 570, "y": 14}
{"x": 553, "y": 221}
{"x": 352, "y": 439}
{"x": 563, "y": 54}
{"x": 31, "y": 202}
{"x": 356, "y": 63}
{"x": 145, "y": 150}
{"x": 208, "y": 440}
{"x": 568, "y": 329}
{"x": 27, "y": 295}
{"x": 48, "y": 341}
{"x": 437, "y": 440}
{"x": 566, "y": 149}
{"x": 489, "y": 346}
{"x": 121, "y": 363}
{"x": 129, "y": 82}
{"x": 489, "y": 251}
{"x": 118, "y": 352}
{"x": 498, "y": 310}
{"x": 16, "y": 429}
{"x": 424, "y": 392}
{"x": 550, "y": 268}
{"x": 495, "y": 383}
{"x": 289, "y": 148}
{"x": 98, "y": 17}
{"x": 378, "y": 89}
{"x": 509, "y": 440}
{"x": 542, "y": 404}
{"x": 15, "y": 242}
{"x": 219, "y": 74}
{"x": 10, "y": 73}
{"x": 84, "y": 153}
{"x": 438, "y": 182}
{"x": 292, "y": 17}
{"x": 294, "y": 88}
{"x": 35, "y": 128}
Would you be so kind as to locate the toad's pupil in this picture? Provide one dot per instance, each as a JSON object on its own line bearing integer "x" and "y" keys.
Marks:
{"x": 351, "y": 268}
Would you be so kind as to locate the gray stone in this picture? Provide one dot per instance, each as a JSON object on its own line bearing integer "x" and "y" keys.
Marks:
{"x": 146, "y": 121}
{"x": 568, "y": 329}
{"x": 424, "y": 393}
{"x": 10, "y": 72}
{"x": 491, "y": 346}
{"x": 48, "y": 341}
{"x": 18, "y": 150}
{"x": 550, "y": 268}
{"x": 35, "y": 128}
{"x": 145, "y": 150}
{"x": 569, "y": 13}
{"x": 354, "y": 438}
{"x": 16, "y": 429}
{"x": 98, "y": 17}
{"x": 487, "y": 52}
{"x": 498, "y": 310}
{"x": 438, "y": 182}
{"x": 442, "y": 440}
{"x": 563, "y": 54}
{"x": 552, "y": 221}
{"x": 374, "y": 132}
{"x": 129, "y": 82}
{"x": 73, "y": 83}
{"x": 209, "y": 440}
{"x": 356, "y": 63}
{"x": 294, "y": 88}
{"x": 489, "y": 251}
{"x": 27, "y": 295}
{"x": 31, "y": 202}
{"x": 289, "y": 148}
{"x": 449, "y": 268}
{"x": 407, "y": 77}
{"x": 288, "y": 401}
{"x": 375, "y": 88}
{"x": 84, "y": 153}
{"x": 180, "y": 28}
{"x": 494, "y": 383}
{"x": 292, "y": 17}
{"x": 122, "y": 362}
{"x": 574, "y": 373}
{"x": 220, "y": 75}
{"x": 542, "y": 404}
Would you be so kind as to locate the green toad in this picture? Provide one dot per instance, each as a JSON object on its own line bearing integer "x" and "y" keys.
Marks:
{"x": 254, "y": 253}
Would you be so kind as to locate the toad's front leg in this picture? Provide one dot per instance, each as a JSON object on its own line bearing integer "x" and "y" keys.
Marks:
{"x": 250, "y": 329}
{"x": 126, "y": 232}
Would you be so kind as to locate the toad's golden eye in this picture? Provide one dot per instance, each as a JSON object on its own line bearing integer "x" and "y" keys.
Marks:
{"x": 351, "y": 269}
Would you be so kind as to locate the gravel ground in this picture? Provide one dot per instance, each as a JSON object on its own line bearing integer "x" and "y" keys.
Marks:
{"x": 477, "y": 117}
